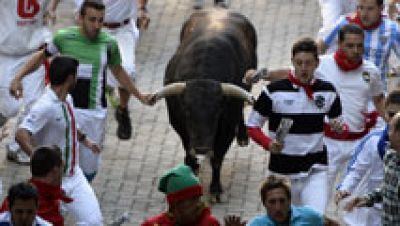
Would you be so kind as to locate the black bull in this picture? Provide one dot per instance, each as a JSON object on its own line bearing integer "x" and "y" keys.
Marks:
{"x": 203, "y": 86}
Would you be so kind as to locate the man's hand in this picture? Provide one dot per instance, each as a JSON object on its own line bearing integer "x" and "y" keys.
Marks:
{"x": 356, "y": 202}
{"x": 341, "y": 195}
{"x": 95, "y": 148}
{"x": 143, "y": 19}
{"x": 252, "y": 76}
{"x": 232, "y": 220}
{"x": 338, "y": 126}
{"x": 147, "y": 99}
{"x": 16, "y": 88}
{"x": 392, "y": 9}
{"x": 3, "y": 133}
{"x": 275, "y": 147}
{"x": 49, "y": 17}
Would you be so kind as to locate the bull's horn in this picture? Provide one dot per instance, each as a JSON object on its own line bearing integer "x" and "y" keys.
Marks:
{"x": 172, "y": 89}
{"x": 236, "y": 91}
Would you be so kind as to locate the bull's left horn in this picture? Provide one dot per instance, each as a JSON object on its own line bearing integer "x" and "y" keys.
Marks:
{"x": 172, "y": 89}
{"x": 238, "y": 92}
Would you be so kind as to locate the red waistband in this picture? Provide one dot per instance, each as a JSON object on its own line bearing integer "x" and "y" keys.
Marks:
{"x": 114, "y": 25}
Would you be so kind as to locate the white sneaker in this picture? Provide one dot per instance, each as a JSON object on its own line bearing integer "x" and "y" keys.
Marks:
{"x": 222, "y": 4}
{"x": 17, "y": 156}
{"x": 198, "y": 4}
{"x": 3, "y": 120}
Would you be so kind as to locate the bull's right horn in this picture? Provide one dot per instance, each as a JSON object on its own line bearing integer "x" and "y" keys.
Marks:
{"x": 172, "y": 89}
{"x": 236, "y": 91}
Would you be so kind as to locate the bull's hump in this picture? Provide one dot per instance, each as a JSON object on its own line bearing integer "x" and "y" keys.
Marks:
{"x": 217, "y": 19}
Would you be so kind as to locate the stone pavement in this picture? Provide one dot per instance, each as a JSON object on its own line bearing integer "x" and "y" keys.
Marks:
{"x": 128, "y": 177}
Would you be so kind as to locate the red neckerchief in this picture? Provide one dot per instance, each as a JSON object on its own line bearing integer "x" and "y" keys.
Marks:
{"x": 307, "y": 88}
{"x": 343, "y": 63}
{"x": 51, "y": 191}
{"x": 355, "y": 19}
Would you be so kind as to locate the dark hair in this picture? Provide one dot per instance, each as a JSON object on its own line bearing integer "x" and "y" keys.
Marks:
{"x": 393, "y": 97}
{"x": 95, "y": 4}
{"x": 305, "y": 45}
{"x": 350, "y": 29}
{"x": 44, "y": 159}
{"x": 60, "y": 68}
{"x": 379, "y": 2}
{"x": 24, "y": 191}
{"x": 273, "y": 182}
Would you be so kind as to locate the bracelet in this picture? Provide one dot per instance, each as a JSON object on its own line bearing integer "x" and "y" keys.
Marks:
{"x": 82, "y": 137}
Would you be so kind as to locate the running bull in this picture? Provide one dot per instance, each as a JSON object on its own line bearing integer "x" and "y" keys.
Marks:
{"x": 203, "y": 86}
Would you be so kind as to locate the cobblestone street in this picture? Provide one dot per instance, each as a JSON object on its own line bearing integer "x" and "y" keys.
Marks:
{"x": 129, "y": 173}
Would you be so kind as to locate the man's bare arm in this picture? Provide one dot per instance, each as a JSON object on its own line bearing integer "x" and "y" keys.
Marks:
{"x": 123, "y": 79}
{"x": 24, "y": 139}
{"x": 253, "y": 76}
{"x": 321, "y": 46}
{"x": 379, "y": 102}
{"x": 32, "y": 65}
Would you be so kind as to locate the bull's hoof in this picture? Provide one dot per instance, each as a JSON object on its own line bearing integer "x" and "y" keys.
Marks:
{"x": 243, "y": 142}
{"x": 217, "y": 199}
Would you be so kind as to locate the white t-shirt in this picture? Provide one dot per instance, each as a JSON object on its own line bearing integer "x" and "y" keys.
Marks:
{"x": 22, "y": 27}
{"x": 52, "y": 122}
{"x": 354, "y": 87}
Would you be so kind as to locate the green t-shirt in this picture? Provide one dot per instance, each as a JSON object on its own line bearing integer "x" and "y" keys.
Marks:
{"x": 93, "y": 56}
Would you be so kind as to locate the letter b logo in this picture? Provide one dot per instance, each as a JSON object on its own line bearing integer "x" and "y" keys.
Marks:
{"x": 28, "y": 8}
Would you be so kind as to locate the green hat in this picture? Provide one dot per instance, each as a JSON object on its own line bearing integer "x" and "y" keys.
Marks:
{"x": 179, "y": 183}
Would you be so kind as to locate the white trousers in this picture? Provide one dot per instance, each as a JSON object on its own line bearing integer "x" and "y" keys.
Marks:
{"x": 93, "y": 124}
{"x": 85, "y": 208}
{"x": 364, "y": 216}
{"x": 126, "y": 37}
{"x": 331, "y": 10}
{"x": 311, "y": 190}
{"x": 339, "y": 155}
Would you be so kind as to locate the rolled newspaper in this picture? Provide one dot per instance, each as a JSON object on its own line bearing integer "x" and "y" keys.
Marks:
{"x": 283, "y": 129}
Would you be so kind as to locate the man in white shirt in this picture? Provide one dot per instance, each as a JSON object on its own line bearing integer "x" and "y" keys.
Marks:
{"x": 23, "y": 32}
{"x": 356, "y": 80}
{"x": 51, "y": 121}
{"x": 365, "y": 170}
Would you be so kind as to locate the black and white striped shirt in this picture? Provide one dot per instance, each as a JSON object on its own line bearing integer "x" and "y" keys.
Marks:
{"x": 303, "y": 146}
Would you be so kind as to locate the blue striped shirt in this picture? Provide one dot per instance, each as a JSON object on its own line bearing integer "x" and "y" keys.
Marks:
{"x": 378, "y": 43}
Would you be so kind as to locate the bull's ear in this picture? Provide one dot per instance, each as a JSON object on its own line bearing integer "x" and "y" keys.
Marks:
{"x": 172, "y": 89}
{"x": 237, "y": 92}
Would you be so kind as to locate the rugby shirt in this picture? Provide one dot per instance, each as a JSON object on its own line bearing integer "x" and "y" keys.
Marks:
{"x": 303, "y": 146}
{"x": 93, "y": 56}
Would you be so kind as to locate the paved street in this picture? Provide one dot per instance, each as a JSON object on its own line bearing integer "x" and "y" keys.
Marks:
{"x": 128, "y": 178}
